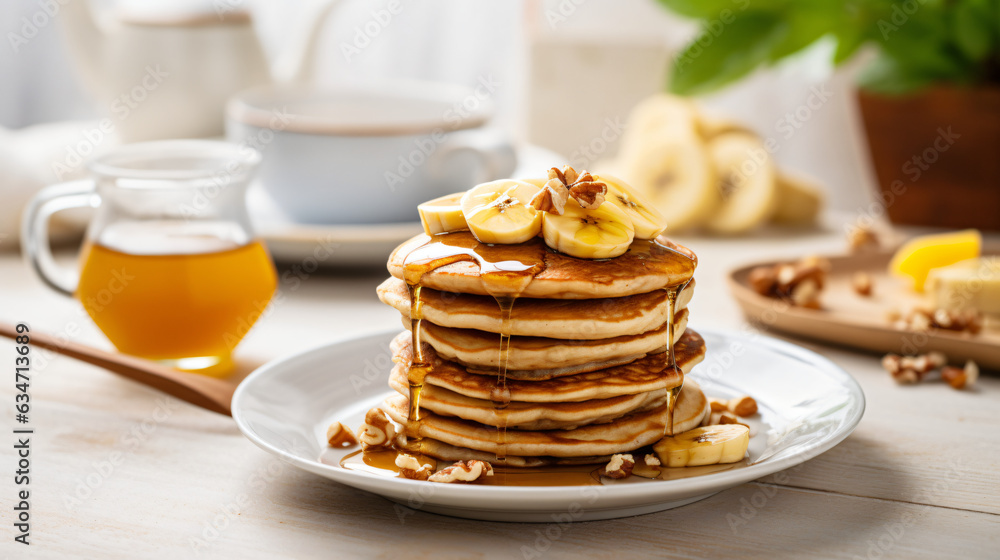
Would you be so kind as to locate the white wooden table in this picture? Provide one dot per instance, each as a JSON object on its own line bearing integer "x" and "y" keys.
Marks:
{"x": 920, "y": 478}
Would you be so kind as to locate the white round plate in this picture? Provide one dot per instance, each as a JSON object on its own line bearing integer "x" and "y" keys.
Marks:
{"x": 807, "y": 405}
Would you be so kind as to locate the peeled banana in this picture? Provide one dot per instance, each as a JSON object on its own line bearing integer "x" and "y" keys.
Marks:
{"x": 443, "y": 214}
{"x": 600, "y": 233}
{"x": 746, "y": 181}
{"x": 707, "y": 445}
{"x": 499, "y": 211}
{"x": 647, "y": 221}
{"x": 673, "y": 171}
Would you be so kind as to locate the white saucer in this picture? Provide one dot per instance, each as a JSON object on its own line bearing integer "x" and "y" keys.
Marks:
{"x": 807, "y": 405}
{"x": 361, "y": 245}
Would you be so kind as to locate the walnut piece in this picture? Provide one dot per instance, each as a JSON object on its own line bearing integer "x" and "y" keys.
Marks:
{"x": 862, "y": 283}
{"x": 463, "y": 471}
{"x": 718, "y": 405}
{"x": 740, "y": 406}
{"x": 586, "y": 190}
{"x": 620, "y": 466}
{"x": 377, "y": 431}
{"x": 649, "y": 468}
{"x": 907, "y": 370}
{"x": 920, "y": 319}
{"x": 552, "y": 198}
{"x": 800, "y": 282}
{"x": 862, "y": 238}
{"x": 413, "y": 468}
{"x": 337, "y": 435}
{"x": 723, "y": 417}
{"x": 960, "y": 378}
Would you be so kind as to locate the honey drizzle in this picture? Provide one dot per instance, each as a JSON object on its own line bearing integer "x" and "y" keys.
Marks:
{"x": 670, "y": 369}
{"x": 500, "y": 395}
{"x": 505, "y": 276}
{"x": 418, "y": 368}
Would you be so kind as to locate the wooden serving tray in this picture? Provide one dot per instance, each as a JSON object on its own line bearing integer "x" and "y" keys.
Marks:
{"x": 862, "y": 322}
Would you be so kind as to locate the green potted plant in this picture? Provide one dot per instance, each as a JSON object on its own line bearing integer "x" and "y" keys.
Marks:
{"x": 930, "y": 99}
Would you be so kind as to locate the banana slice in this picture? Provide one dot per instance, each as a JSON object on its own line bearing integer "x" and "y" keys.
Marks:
{"x": 708, "y": 445}
{"x": 673, "y": 172}
{"x": 646, "y": 220}
{"x": 655, "y": 115}
{"x": 537, "y": 181}
{"x": 499, "y": 211}
{"x": 799, "y": 201}
{"x": 602, "y": 233}
{"x": 443, "y": 214}
{"x": 746, "y": 181}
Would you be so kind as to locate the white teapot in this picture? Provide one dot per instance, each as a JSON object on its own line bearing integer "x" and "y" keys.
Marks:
{"x": 168, "y": 74}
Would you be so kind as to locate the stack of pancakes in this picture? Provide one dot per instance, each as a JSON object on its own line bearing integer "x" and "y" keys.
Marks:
{"x": 587, "y": 371}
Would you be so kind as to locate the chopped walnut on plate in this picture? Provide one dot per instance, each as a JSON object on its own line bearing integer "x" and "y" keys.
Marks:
{"x": 620, "y": 466}
{"x": 377, "y": 431}
{"x": 414, "y": 468}
{"x": 338, "y": 435}
{"x": 463, "y": 471}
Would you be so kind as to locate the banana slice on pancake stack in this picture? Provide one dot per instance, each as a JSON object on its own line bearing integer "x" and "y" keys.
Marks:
{"x": 702, "y": 172}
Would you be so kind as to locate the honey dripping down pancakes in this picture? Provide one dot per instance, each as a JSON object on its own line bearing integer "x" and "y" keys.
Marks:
{"x": 546, "y": 324}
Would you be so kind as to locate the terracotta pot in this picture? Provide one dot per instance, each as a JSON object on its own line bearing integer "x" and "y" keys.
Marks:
{"x": 936, "y": 154}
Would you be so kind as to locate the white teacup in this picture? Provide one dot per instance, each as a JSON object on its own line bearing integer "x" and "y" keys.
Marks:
{"x": 368, "y": 153}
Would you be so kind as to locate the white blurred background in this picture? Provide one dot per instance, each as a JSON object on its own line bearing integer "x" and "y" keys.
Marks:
{"x": 566, "y": 68}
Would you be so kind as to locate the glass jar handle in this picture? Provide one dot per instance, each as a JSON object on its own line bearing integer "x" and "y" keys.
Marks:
{"x": 35, "y": 230}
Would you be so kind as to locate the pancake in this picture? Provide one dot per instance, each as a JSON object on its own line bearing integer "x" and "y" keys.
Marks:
{"x": 624, "y": 434}
{"x": 573, "y": 319}
{"x": 639, "y": 376}
{"x": 479, "y": 349}
{"x": 645, "y": 267}
{"x": 529, "y": 415}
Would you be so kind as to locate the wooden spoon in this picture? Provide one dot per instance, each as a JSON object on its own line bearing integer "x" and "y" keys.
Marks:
{"x": 206, "y": 392}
